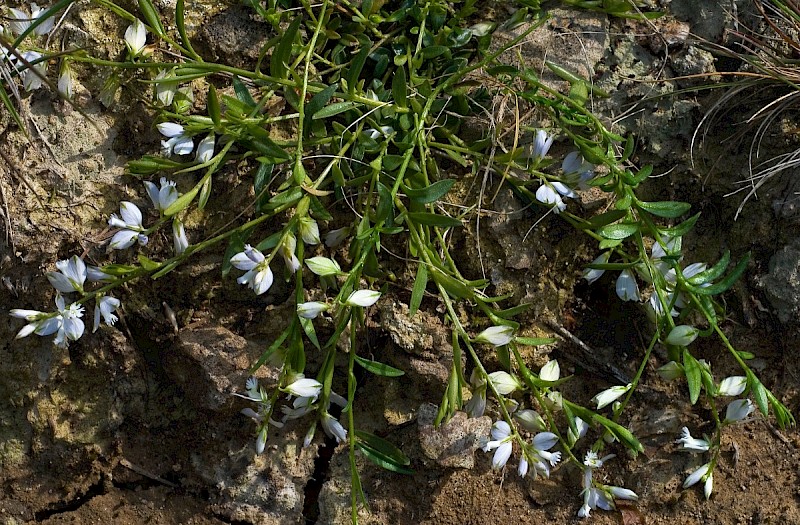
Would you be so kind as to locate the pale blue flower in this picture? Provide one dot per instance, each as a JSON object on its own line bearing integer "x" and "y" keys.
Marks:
{"x": 70, "y": 276}
{"x": 258, "y": 276}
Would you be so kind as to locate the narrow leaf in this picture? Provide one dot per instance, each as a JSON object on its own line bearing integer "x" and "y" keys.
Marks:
{"x": 400, "y": 88}
{"x": 667, "y": 209}
{"x": 419, "y": 289}
{"x": 379, "y": 369}
{"x": 431, "y": 193}
{"x": 619, "y": 231}
{"x": 693, "y": 375}
{"x": 279, "y": 62}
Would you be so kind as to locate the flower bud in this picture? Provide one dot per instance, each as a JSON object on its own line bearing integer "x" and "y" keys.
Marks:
{"x": 309, "y": 230}
{"x": 504, "y": 382}
{"x": 323, "y": 266}
{"x": 304, "y": 387}
{"x": 496, "y": 335}
{"x": 205, "y": 149}
{"x": 627, "y": 289}
{"x": 670, "y": 371}
{"x": 732, "y": 386}
{"x": 593, "y": 274}
{"x": 136, "y": 38}
{"x": 550, "y": 372}
{"x": 363, "y": 298}
{"x": 530, "y": 420}
{"x": 608, "y": 396}
{"x": 311, "y": 310}
{"x": 165, "y": 90}
{"x": 682, "y": 335}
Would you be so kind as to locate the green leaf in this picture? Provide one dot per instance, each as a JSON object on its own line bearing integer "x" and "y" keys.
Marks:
{"x": 242, "y": 93}
{"x": 266, "y": 147}
{"x": 182, "y": 202}
{"x": 400, "y": 87}
{"x": 759, "y": 393}
{"x": 534, "y": 341}
{"x": 681, "y": 229}
{"x": 308, "y": 328}
{"x": 727, "y": 282}
{"x": 152, "y": 17}
{"x": 334, "y": 109}
{"x": 618, "y": 231}
{"x": 712, "y": 273}
{"x": 693, "y": 375}
{"x": 383, "y": 453}
{"x": 180, "y": 23}
{"x": 260, "y": 184}
{"x": 667, "y": 209}
{"x": 431, "y": 193}
{"x": 205, "y": 193}
{"x": 434, "y": 219}
{"x": 147, "y": 263}
{"x": 118, "y": 270}
{"x": 385, "y": 204}
{"x": 435, "y": 51}
{"x": 420, "y": 283}
{"x": 603, "y": 219}
{"x": 315, "y": 104}
{"x": 279, "y": 62}
{"x": 379, "y": 369}
{"x": 356, "y": 66}
{"x": 213, "y": 106}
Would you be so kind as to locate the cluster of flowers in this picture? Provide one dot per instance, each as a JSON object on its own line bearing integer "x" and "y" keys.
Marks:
{"x": 73, "y": 273}
{"x": 576, "y": 173}
{"x": 31, "y": 65}
{"x": 536, "y": 455}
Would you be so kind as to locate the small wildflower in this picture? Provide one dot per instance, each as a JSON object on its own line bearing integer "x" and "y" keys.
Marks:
{"x": 70, "y": 276}
{"x": 335, "y": 237}
{"x": 581, "y": 426}
{"x": 21, "y": 21}
{"x": 309, "y": 230}
{"x": 165, "y": 90}
{"x": 179, "y": 239}
{"x": 287, "y": 250}
{"x": 363, "y": 298}
{"x": 333, "y": 428}
{"x": 304, "y": 387}
{"x": 258, "y": 276}
{"x": 311, "y": 310}
{"x": 164, "y": 196}
{"x": 538, "y": 453}
{"x": 504, "y": 382}
{"x": 551, "y": 192}
{"x": 130, "y": 225}
{"x": 692, "y": 444}
{"x": 65, "y": 322}
{"x": 501, "y": 443}
{"x": 593, "y": 274}
{"x": 732, "y": 386}
{"x": 608, "y": 396}
{"x": 627, "y": 289}
{"x": 496, "y": 335}
{"x": 205, "y": 149}
{"x": 738, "y": 410}
{"x": 530, "y": 420}
{"x": 541, "y": 145}
{"x": 136, "y": 38}
{"x": 696, "y": 476}
{"x": 105, "y": 307}
{"x": 31, "y": 76}
{"x": 65, "y": 81}
{"x": 323, "y": 266}
{"x": 177, "y": 142}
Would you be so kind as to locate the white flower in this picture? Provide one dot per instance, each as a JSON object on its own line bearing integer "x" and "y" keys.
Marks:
{"x": 32, "y": 81}
{"x": 550, "y": 193}
{"x": 177, "y": 143}
{"x": 309, "y": 230}
{"x": 311, "y": 310}
{"x": 363, "y": 298}
{"x": 581, "y": 426}
{"x": 205, "y": 149}
{"x": 323, "y": 266}
{"x": 692, "y": 444}
{"x": 693, "y": 269}
{"x": 682, "y": 335}
{"x": 732, "y": 386}
{"x": 375, "y": 133}
{"x": 501, "y": 443}
{"x": 550, "y": 371}
{"x": 70, "y": 276}
{"x": 608, "y": 396}
{"x": 300, "y": 407}
{"x": 476, "y": 405}
{"x": 95, "y": 274}
{"x": 738, "y": 410}
{"x": 623, "y": 493}
{"x": 21, "y": 21}
{"x": 538, "y": 453}
{"x": 65, "y": 81}
{"x": 304, "y": 387}
{"x": 65, "y": 322}
{"x": 504, "y": 382}
{"x": 130, "y": 224}
{"x": 541, "y": 144}
{"x": 333, "y": 428}
{"x": 530, "y": 420}
{"x": 105, "y": 307}
{"x": 179, "y": 240}
{"x": 496, "y": 335}
{"x": 696, "y": 476}
{"x": 136, "y": 38}
{"x": 287, "y": 250}
{"x": 335, "y": 237}
{"x": 165, "y": 90}
{"x": 592, "y": 274}
{"x": 259, "y": 275}
{"x": 708, "y": 486}
{"x": 594, "y": 498}
{"x": 162, "y": 197}
{"x": 627, "y": 289}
